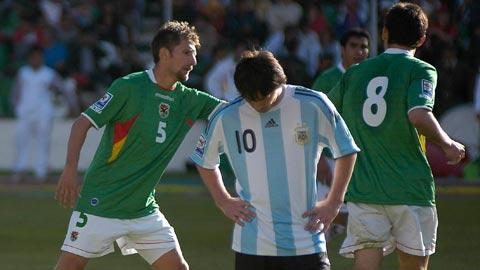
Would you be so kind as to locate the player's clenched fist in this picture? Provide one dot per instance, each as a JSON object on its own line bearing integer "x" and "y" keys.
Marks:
{"x": 454, "y": 152}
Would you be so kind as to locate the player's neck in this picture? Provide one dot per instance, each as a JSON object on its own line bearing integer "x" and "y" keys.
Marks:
{"x": 164, "y": 81}
{"x": 401, "y": 47}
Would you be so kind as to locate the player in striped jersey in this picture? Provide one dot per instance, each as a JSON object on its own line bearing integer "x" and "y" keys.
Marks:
{"x": 273, "y": 136}
{"x": 387, "y": 103}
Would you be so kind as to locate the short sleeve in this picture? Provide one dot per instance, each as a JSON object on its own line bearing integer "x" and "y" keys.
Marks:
{"x": 209, "y": 146}
{"x": 109, "y": 106}
{"x": 421, "y": 92}
{"x": 334, "y": 133}
{"x": 206, "y": 103}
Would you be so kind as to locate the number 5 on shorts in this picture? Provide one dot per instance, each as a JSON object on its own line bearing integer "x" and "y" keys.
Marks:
{"x": 82, "y": 220}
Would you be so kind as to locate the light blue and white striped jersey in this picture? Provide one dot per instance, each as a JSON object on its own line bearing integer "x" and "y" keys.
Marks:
{"x": 274, "y": 157}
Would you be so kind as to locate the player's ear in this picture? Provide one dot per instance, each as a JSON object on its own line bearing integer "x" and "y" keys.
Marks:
{"x": 163, "y": 53}
{"x": 385, "y": 34}
{"x": 421, "y": 41}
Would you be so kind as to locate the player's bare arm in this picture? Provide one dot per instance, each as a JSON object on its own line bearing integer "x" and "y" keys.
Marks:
{"x": 234, "y": 208}
{"x": 68, "y": 186}
{"x": 326, "y": 210}
{"x": 426, "y": 124}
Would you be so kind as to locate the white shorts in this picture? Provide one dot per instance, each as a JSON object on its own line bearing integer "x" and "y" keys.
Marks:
{"x": 92, "y": 236}
{"x": 411, "y": 229}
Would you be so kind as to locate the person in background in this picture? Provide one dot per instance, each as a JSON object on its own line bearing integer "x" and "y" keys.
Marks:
{"x": 355, "y": 44}
{"x": 32, "y": 96}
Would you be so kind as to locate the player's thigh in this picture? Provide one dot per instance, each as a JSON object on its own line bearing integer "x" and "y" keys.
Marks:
{"x": 414, "y": 228}
{"x": 368, "y": 259}
{"x": 70, "y": 261}
{"x": 91, "y": 236}
{"x": 411, "y": 262}
{"x": 368, "y": 227}
{"x": 172, "y": 260}
{"x": 154, "y": 239}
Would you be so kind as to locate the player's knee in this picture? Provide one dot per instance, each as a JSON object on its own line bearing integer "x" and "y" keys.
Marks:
{"x": 68, "y": 261}
{"x": 70, "y": 265}
{"x": 183, "y": 266}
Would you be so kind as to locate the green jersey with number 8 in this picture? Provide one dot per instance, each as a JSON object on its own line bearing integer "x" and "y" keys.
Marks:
{"x": 145, "y": 125}
{"x": 374, "y": 99}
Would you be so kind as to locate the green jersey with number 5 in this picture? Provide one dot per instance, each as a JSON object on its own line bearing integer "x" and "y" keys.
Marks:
{"x": 144, "y": 126}
{"x": 374, "y": 98}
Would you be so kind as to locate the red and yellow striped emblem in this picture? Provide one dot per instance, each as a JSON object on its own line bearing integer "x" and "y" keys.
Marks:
{"x": 120, "y": 134}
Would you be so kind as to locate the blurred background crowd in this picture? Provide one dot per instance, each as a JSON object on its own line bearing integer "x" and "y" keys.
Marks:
{"x": 91, "y": 42}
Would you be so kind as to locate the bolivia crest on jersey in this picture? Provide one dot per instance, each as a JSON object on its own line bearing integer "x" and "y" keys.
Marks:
{"x": 163, "y": 109}
{"x": 74, "y": 236}
{"x": 302, "y": 136}
{"x": 101, "y": 103}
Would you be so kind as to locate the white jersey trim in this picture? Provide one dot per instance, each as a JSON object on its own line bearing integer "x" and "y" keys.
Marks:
{"x": 420, "y": 107}
{"x": 399, "y": 51}
{"x": 151, "y": 76}
{"x": 341, "y": 67}
{"x": 91, "y": 120}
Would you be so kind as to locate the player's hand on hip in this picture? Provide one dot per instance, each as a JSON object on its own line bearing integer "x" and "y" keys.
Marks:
{"x": 454, "y": 152}
{"x": 67, "y": 189}
{"x": 237, "y": 210}
{"x": 320, "y": 216}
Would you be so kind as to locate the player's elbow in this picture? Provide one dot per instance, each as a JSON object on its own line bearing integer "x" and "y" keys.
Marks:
{"x": 418, "y": 116}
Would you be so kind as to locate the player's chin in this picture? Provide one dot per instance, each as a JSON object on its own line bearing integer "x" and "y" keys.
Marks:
{"x": 183, "y": 76}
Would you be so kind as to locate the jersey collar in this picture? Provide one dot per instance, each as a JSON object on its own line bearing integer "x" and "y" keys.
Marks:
{"x": 399, "y": 51}
{"x": 341, "y": 67}
{"x": 151, "y": 76}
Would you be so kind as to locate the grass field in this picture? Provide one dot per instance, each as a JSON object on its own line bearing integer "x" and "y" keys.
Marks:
{"x": 32, "y": 228}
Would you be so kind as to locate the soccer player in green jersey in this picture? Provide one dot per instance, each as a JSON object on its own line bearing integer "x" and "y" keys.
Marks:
{"x": 146, "y": 116}
{"x": 355, "y": 48}
{"x": 387, "y": 103}
{"x": 355, "y": 45}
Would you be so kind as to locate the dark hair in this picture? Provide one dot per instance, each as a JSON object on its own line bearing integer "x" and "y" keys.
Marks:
{"x": 171, "y": 34}
{"x": 258, "y": 73}
{"x": 35, "y": 49}
{"x": 354, "y": 32}
{"x": 406, "y": 24}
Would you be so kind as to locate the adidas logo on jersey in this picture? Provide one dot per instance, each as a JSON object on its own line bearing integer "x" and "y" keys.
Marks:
{"x": 271, "y": 123}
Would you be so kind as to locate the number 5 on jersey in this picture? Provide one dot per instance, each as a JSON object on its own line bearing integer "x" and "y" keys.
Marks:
{"x": 161, "y": 134}
{"x": 375, "y": 106}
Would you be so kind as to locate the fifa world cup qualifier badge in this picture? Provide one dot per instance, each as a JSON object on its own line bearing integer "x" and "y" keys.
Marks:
{"x": 302, "y": 135}
{"x": 200, "y": 148}
{"x": 101, "y": 103}
{"x": 163, "y": 110}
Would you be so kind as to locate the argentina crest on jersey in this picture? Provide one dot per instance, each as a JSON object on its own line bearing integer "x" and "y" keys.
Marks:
{"x": 101, "y": 103}
{"x": 302, "y": 135}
